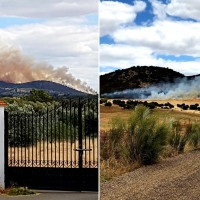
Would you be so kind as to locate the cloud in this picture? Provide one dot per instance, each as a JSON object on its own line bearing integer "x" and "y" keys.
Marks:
{"x": 115, "y": 14}
{"x": 123, "y": 56}
{"x": 169, "y": 37}
{"x": 184, "y": 9}
{"x": 158, "y": 9}
{"x": 47, "y": 8}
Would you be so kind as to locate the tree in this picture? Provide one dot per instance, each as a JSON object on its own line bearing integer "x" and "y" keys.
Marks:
{"x": 39, "y": 95}
{"x": 109, "y": 104}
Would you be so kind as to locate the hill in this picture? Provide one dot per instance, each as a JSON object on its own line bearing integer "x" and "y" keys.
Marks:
{"x": 20, "y": 89}
{"x": 137, "y": 77}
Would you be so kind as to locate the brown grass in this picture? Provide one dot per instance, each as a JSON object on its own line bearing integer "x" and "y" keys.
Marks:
{"x": 112, "y": 167}
{"x": 4, "y": 191}
{"x": 63, "y": 151}
{"x": 107, "y": 113}
{"x": 184, "y": 116}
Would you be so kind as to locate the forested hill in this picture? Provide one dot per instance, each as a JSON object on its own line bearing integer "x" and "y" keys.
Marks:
{"x": 21, "y": 89}
{"x": 136, "y": 77}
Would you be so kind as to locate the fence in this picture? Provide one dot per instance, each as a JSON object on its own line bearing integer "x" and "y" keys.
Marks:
{"x": 64, "y": 136}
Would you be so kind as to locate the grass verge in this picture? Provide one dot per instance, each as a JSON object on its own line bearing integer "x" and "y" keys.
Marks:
{"x": 16, "y": 191}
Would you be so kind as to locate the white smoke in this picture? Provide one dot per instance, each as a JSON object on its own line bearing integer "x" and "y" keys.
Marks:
{"x": 181, "y": 88}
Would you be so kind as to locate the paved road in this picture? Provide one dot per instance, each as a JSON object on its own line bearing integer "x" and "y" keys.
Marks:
{"x": 55, "y": 196}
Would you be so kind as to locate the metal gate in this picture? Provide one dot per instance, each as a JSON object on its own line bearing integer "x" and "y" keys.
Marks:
{"x": 56, "y": 149}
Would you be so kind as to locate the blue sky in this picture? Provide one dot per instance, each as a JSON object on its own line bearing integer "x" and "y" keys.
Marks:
{"x": 11, "y": 21}
{"x": 151, "y": 32}
{"x": 60, "y": 36}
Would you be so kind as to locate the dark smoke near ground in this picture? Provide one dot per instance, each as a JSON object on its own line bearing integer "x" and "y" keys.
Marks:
{"x": 18, "y": 68}
{"x": 181, "y": 88}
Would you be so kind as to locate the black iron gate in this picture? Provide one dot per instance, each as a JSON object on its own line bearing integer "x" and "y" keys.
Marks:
{"x": 56, "y": 149}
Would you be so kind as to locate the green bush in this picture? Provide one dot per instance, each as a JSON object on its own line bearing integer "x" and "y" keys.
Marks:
{"x": 146, "y": 136}
{"x": 141, "y": 139}
{"x": 178, "y": 138}
{"x": 116, "y": 134}
{"x": 20, "y": 191}
{"x": 111, "y": 141}
{"x": 117, "y": 129}
{"x": 195, "y": 135}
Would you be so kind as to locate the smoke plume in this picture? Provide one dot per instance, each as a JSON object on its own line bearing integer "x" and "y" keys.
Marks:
{"x": 18, "y": 68}
{"x": 181, "y": 88}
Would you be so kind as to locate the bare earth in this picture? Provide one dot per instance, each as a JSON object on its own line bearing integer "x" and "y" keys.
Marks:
{"x": 176, "y": 178}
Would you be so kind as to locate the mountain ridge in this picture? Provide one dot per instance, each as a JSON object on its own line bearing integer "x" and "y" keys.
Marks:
{"x": 138, "y": 77}
{"x": 20, "y": 89}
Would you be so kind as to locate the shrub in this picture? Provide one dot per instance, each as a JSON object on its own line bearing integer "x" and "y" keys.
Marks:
{"x": 20, "y": 191}
{"x": 103, "y": 101}
{"x": 109, "y": 104}
{"x": 195, "y": 135}
{"x": 116, "y": 101}
{"x": 193, "y": 107}
{"x": 151, "y": 105}
{"x": 185, "y": 107}
{"x": 178, "y": 138}
{"x": 145, "y": 136}
{"x": 117, "y": 129}
{"x": 111, "y": 141}
{"x": 104, "y": 144}
{"x": 116, "y": 133}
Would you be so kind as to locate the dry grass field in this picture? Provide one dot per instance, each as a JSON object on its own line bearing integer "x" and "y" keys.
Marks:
{"x": 184, "y": 116}
{"x": 106, "y": 113}
{"x": 112, "y": 167}
{"x": 63, "y": 151}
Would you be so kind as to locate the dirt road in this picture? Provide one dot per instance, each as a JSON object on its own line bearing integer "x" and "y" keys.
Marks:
{"x": 176, "y": 178}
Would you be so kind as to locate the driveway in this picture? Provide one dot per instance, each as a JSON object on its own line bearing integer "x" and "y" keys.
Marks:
{"x": 45, "y": 195}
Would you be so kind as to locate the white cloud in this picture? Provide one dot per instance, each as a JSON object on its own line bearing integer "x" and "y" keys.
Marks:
{"x": 158, "y": 9}
{"x": 125, "y": 56}
{"x": 47, "y": 8}
{"x": 168, "y": 37}
{"x": 115, "y": 14}
{"x": 184, "y": 9}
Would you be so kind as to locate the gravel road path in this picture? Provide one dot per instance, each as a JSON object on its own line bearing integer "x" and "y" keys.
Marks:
{"x": 176, "y": 178}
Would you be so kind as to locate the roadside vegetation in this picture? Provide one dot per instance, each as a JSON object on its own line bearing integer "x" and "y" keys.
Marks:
{"x": 144, "y": 137}
{"x": 16, "y": 191}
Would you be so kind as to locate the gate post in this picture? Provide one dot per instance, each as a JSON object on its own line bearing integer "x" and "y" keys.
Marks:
{"x": 2, "y": 148}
